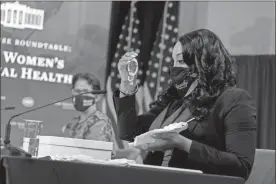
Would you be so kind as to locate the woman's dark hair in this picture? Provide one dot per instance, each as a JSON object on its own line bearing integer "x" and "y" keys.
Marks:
{"x": 206, "y": 56}
{"x": 89, "y": 77}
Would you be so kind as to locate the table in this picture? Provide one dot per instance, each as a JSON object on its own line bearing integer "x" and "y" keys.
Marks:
{"x": 34, "y": 171}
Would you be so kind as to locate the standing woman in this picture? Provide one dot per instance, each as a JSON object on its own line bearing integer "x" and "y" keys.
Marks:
{"x": 222, "y": 138}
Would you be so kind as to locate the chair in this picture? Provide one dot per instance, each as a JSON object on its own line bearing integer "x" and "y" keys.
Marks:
{"x": 263, "y": 171}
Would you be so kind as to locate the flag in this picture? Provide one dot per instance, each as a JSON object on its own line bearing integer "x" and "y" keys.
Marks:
{"x": 128, "y": 39}
{"x": 161, "y": 55}
{"x": 157, "y": 72}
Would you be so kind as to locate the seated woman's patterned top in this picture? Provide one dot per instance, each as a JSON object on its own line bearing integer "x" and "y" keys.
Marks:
{"x": 96, "y": 126}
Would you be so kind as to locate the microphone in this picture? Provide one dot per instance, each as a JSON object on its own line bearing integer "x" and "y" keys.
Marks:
{"x": 8, "y": 126}
{"x": 95, "y": 92}
{"x": 8, "y": 108}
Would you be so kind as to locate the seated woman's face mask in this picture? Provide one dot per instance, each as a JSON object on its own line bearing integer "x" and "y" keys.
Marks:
{"x": 82, "y": 102}
{"x": 184, "y": 80}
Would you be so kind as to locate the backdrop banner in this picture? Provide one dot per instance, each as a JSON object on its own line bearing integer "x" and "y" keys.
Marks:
{"x": 43, "y": 44}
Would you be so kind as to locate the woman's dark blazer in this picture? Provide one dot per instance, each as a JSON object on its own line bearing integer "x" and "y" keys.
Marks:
{"x": 222, "y": 144}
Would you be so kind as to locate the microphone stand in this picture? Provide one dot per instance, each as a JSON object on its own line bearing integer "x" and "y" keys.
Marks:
{"x": 8, "y": 150}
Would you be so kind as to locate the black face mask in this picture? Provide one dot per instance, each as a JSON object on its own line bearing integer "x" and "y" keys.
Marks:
{"x": 82, "y": 103}
{"x": 183, "y": 80}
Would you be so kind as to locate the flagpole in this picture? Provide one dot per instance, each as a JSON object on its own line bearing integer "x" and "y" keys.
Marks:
{"x": 132, "y": 7}
{"x": 162, "y": 48}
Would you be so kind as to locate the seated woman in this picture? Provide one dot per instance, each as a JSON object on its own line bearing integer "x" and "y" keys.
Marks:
{"x": 90, "y": 123}
{"x": 222, "y": 138}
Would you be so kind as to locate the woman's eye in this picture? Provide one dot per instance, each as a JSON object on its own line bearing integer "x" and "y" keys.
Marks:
{"x": 181, "y": 61}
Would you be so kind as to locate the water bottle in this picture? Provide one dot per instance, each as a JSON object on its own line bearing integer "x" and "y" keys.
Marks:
{"x": 132, "y": 69}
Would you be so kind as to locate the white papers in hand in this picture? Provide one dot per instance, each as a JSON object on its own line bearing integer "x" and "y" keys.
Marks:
{"x": 147, "y": 137}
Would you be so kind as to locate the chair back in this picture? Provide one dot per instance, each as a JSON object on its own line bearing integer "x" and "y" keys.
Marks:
{"x": 263, "y": 171}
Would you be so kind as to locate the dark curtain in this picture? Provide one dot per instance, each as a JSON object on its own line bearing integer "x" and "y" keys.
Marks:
{"x": 149, "y": 13}
{"x": 256, "y": 74}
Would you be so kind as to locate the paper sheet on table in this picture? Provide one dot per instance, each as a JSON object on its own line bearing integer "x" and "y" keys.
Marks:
{"x": 87, "y": 159}
{"x": 118, "y": 162}
{"x": 165, "y": 168}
